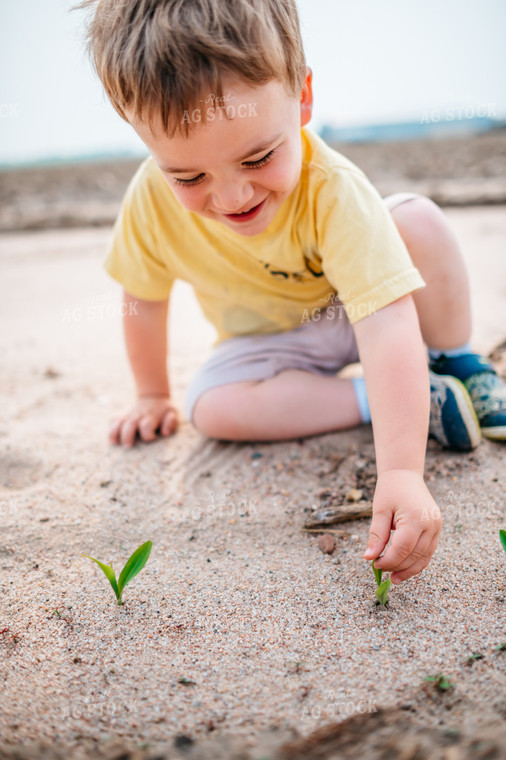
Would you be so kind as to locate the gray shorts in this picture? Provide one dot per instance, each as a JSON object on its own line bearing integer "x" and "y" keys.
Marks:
{"x": 323, "y": 345}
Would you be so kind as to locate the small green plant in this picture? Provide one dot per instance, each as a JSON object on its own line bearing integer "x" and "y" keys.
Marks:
{"x": 382, "y": 590}
{"x": 186, "y": 681}
{"x": 441, "y": 682}
{"x": 474, "y": 656}
{"x": 133, "y": 566}
{"x": 502, "y": 537}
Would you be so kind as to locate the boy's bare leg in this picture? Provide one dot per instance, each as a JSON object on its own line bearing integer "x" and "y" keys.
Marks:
{"x": 444, "y": 306}
{"x": 292, "y": 404}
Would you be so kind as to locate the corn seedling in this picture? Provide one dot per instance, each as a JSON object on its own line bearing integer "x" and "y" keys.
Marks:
{"x": 502, "y": 537}
{"x": 474, "y": 656}
{"x": 133, "y": 566}
{"x": 441, "y": 682}
{"x": 382, "y": 590}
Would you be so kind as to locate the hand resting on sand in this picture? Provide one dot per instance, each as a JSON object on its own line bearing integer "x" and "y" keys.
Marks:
{"x": 150, "y": 417}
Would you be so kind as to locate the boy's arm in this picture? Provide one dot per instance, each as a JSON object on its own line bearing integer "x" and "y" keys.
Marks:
{"x": 145, "y": 329}
{"x": 395, "y": 368}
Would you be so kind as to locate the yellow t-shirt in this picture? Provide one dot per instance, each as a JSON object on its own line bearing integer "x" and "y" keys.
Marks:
{"x": 332, "y": 234}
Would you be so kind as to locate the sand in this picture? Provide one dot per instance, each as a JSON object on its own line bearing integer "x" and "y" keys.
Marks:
{"x": 239, "y": 626}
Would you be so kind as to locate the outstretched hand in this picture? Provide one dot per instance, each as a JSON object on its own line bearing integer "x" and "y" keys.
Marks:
{"x": 402, "y": 503}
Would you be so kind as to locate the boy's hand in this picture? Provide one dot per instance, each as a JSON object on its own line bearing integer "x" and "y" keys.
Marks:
{"x": 402, "y": 502}
{"x": 150, "y": 415}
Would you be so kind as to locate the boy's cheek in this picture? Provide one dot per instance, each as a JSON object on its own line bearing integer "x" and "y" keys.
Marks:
{"x": 188, "y": 198}
{"x": 284, "y": 179}
{"x": 187, "y": 201}
{"x": 285, "y": 173}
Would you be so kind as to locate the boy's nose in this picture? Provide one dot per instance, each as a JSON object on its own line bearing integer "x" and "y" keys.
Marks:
{"x": 233, "y": 197}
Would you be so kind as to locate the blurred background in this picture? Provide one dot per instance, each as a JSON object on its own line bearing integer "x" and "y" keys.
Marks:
{"x": 384, "y": 73}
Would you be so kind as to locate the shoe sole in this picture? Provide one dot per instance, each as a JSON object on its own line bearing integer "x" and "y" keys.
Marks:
{"x": 494, "y": 433}
{"x": 466, "y": 409}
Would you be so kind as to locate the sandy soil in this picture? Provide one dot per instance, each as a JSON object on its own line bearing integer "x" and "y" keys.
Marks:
{"x": 238, "y": 626}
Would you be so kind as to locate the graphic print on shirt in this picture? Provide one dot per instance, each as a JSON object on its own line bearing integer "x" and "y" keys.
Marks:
{"x": 311, "y": 266}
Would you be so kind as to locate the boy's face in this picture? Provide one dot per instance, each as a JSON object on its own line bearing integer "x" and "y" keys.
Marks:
{"x": 236, "y": 170}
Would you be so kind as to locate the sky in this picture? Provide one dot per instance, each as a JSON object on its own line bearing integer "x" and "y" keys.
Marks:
{"x": 373, "y": 61}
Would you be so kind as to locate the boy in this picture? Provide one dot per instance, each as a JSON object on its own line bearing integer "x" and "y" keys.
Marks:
{"x": 270, "y": 226}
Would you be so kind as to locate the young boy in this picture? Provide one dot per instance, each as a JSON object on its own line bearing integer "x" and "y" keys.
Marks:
{"x": 293, "y": 256}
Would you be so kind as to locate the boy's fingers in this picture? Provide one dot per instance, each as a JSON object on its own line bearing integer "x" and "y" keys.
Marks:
{"x": 128, "y": 432}
{"x": 403, "y": 543}
{"x": 417, "y": 554}
{"x": 417, "y": 566}
{"x": 124, "y": 430}
{"x": 379, "y": 534}
{"x": 114, "y": 431}
{"x": 409, "y": 572}
{"x": 169, "y": 423}
{"x": 147, "y": 427}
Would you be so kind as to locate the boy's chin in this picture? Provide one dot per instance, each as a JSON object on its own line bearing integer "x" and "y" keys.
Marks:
{"x": 247, "y": 229}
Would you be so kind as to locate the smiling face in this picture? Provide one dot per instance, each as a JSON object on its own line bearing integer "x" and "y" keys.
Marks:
{"x": 236, "y": 170}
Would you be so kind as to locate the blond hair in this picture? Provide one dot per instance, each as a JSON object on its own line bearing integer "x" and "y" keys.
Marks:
{"x": 157, "y": 58}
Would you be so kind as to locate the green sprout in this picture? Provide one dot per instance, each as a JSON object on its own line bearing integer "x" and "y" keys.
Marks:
{"x": 382, "y": 590}
{"x": 441, "y": 682}
{"x": 502, "y": 537}
{"x": 133, "y": 566}
{"x": 474, "y": 656}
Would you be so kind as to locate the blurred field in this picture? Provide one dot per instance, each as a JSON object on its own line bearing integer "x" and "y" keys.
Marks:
{"x": 453, "y": 172}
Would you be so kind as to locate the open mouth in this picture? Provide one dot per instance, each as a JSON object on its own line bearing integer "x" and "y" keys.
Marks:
{"x": 245, "y": 216}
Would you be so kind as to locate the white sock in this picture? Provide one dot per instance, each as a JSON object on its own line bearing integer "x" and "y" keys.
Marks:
{"x": 361, "y": 394}
{"x": 435, "y": 353}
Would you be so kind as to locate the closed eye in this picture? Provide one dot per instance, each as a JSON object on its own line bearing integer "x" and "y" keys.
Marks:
{"x": 261, "y": 161}
{"x": 189, "y": 182}
{"x": 248, "y": 164}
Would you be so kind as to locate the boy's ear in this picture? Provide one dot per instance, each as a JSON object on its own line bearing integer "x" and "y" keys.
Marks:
{"x": 306, "y": 99}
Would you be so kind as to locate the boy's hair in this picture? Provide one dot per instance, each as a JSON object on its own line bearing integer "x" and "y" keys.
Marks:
{"x": 161, "y": 57}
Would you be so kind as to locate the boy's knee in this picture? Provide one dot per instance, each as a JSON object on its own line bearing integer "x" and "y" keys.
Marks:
{"x": 418, "y": 219}
{"x": 206, "y": 412}
{"x": 220, "y": 412}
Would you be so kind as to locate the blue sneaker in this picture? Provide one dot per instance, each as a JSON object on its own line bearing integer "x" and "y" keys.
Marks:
{"x": 486, "y": 390}
{"x": 453, "y": 422}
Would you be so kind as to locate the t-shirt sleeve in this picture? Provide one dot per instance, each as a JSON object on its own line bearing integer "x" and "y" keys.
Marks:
{"x": 363, "y": 254}
{"x": 134, "y": 258}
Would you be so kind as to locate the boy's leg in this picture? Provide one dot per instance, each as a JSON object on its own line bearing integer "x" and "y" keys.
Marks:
{"x": 292, "y": 404}
{"x": 284, "y": 385}
{"x": 444, "y": 308}
{"x": 280, "y": 385}
{"x": 295, "y": 404}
